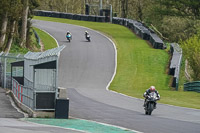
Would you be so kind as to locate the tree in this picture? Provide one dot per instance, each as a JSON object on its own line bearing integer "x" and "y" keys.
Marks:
{"x": 191, "y": 50}
{"x": 138, "y": 9}
{"x": 13, "y": 16}
{"x": 124, "y": 8}
{"x": 13, "y": 21}
{"x": 3, "y": 29}
{"x": 10, "y": 36}
{"x": 4, "y": 8}
{"x": 24, "y": 22}
{"x": 182, "y": 8}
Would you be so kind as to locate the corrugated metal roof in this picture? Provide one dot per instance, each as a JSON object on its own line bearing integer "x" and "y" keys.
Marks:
{"x": 48, "y": 53}
{"x": 12, "y": 55}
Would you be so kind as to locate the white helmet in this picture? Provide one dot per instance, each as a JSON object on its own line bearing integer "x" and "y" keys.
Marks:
{"x": 152, "y": 88}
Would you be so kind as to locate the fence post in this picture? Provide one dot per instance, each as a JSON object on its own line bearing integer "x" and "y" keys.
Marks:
{"x": 22, "y": 94}
{"x": 110, "y": 13}
{"x": 5, "y": 65}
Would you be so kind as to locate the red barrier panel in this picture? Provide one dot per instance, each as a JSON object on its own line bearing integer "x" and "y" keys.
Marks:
{"x": 18, "y": 91}
{"x": 21, "y": 94}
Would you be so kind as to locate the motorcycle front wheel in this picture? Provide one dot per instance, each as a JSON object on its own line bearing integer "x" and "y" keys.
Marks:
{"x": 150, "y": 108}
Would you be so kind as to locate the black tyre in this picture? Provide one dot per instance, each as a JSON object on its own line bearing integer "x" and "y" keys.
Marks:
{"x": 150, "y": 108}
{"x": 146, "y": 113}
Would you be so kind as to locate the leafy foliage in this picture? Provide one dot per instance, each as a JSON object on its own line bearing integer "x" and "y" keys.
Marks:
{"x": 191, "y": 48}
{"x": 182, "y": 8}
{"x": 176, "y": 28}
{"x": 11, "y": 15}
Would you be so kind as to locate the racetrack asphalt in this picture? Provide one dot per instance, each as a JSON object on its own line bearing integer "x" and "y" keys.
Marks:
{"x": 86, "y": 68}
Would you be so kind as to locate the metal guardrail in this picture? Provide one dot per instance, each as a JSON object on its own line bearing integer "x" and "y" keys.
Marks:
{"x": 175, "y": 63}
{"x": 192, "y": 86}
{"x": 23, "y": 94}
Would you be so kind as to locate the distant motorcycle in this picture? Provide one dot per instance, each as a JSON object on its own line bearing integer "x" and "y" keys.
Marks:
{"x": 150, "y": 103}
{"x": 69, "y": 37}
{"x": 87, "y": 37}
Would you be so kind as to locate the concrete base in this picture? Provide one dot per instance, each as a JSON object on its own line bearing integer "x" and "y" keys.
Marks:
{"x": 29, "y": 111}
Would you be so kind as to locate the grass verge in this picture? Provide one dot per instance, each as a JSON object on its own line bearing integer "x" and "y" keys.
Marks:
{"x": 138, "y": 65}
{"x": 46, "y": 39}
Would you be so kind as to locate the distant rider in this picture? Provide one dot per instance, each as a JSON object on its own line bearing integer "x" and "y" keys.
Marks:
{"x": 68, "y": 33}
{"x": 86, "y": 34}
{"x": 148, "y": 91}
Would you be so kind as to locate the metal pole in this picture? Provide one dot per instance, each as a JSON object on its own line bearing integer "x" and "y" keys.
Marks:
{"x": 100, "y": 4}
{"x": 34, "y": 91}
{"x": 1, "y": 68}
{"x": 11, "y": 78}
{"x": 110, "y": 13}
{"x": 100, "y": 7}
{"x": 5, "y": 65}
{"x": 56, "y": 84}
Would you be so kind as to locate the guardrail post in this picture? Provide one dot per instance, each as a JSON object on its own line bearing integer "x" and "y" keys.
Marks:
{"x": 5, "y": 65}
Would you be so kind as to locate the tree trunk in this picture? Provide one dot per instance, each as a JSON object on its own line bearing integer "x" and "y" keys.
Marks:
{"x": 24, "y": 23}
{"x": 10, "y": 37}
{"x": 124, "y": 8}
{"x": 3, "y": 29}
{"x": 139, "y": 10}
{"x": 83, "y": 7}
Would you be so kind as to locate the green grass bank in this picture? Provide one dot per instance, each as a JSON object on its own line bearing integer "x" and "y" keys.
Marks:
{"x": 46, "y": 39}
{"x": 138, "y": 65}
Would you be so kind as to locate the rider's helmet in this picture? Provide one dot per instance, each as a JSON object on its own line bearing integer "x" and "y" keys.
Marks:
{"x": 86, "y": 31}
{"x": 152, "y": 88}
{"x": 67, "y": 31}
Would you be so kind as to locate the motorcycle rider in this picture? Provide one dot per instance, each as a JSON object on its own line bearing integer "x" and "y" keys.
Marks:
{"x": 68, "y": 33}
{"x": 86, "y": 34}
{"x": 148, "y": 91}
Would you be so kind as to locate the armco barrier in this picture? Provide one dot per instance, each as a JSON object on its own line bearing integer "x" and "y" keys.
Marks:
{"x": 63, "y": 15}
{"x": 156, "y": 42}
{"x": 142, "y": 31}
{"x": 192, "y": 86}
{"x": 84, "y": 17}
{"x": 70, "y": 16}
{"x": 100, "y": 18}
{"x": 175, "y": 63}
{"x": 77, "y": 17}
{"x": 145, "y": 34}
{"x": 55, "y": 14}
{"x": 92, "y": 18}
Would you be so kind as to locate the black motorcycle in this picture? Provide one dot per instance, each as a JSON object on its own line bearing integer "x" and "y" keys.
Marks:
{"x": 150, "y": 103}
{"x": 87, "y": 37}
